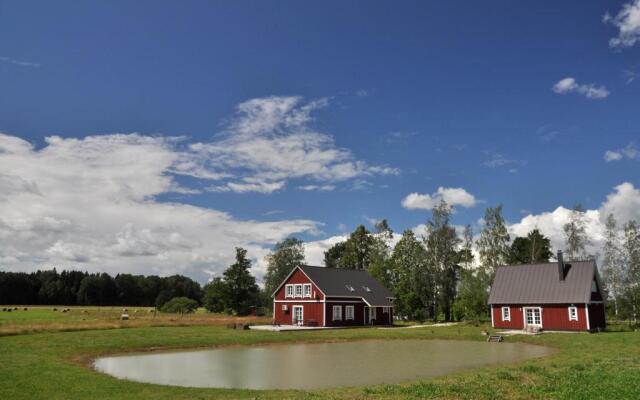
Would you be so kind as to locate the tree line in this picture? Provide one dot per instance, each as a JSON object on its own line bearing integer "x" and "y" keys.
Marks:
{"x": 82, "y": 288}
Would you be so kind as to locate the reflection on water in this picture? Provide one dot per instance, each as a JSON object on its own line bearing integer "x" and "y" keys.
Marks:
{"x": 314, "y": 366}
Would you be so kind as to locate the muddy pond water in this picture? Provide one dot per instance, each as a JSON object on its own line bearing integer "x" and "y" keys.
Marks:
{"x": 314, "y": 365}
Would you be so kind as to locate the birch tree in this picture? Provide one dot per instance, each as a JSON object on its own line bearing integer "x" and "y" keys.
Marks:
{"x": 493, "y": 244}
{"x": 441, "y": 242}
{"x": 612, "y": 263}
{"x": 575, "y": 232}
{"x": 632, "y": 261}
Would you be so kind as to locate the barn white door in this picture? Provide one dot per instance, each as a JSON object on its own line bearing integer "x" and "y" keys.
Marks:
{"x": 533, "y": 316}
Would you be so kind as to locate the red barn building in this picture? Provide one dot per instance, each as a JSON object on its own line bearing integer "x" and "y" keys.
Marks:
{"x": 551, "y": 296}
{"x": 321, "y": 296}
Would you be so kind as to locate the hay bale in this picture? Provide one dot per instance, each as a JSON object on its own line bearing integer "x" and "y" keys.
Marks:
{"x": 9, "y": 310}
{"x": 15, "y": 308}
{"x": 55, "y": 309}
{"x": 124, "y": 310}
{"x": 4, "y": 309}
{"x": 26, "y": 309}
{"x": 124, "y": 317}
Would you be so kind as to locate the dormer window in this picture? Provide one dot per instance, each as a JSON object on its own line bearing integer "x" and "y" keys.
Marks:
{"x": 350, "y": 288}
{"x": 366, "y": 289}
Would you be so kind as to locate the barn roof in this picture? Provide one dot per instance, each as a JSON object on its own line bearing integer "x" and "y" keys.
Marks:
{"x": 339, "y": 282}
{"x": 541, "y": 283}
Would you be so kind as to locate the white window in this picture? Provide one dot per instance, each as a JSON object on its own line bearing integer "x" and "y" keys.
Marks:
{"x": 372, "y": 313}
{"x": 288, "y": 291}
{"x": 307, "y": 290}
{"x": 506, "y": 314}
{"x": 573, "y": 313}
{"x": 349, "y": 312}
{"x": 337, "y": 313}
{"x": 298, "y": 290}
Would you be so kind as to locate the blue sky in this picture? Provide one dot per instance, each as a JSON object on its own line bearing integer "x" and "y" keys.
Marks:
{"x": 410, "y": 96}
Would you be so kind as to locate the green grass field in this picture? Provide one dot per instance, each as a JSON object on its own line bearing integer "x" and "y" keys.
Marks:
{"x": 54, "y": 362}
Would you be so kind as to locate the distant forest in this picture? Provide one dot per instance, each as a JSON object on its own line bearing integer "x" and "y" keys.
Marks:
{"x": 82, "y": 288}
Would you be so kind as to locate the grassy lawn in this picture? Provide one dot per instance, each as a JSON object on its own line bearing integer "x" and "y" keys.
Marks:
{"x": 52, "y": 364}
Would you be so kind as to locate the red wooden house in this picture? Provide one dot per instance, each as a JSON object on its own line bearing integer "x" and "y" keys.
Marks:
{"x": 551, "y": 296}
{"x": 321, "y": 296}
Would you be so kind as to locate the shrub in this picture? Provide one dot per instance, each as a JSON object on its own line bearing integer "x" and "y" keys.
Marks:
{"x": 181, "y": 305}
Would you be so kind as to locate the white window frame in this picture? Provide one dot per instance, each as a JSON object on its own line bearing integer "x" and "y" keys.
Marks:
{"x": 306, "y": 290}
{"x": 506, "y": 316}
{"x": 288, "y": 288}
{"x": 573, "y": 313}
{"x": 349, "y": 313}
{"x": 372, "y": 313}
{"x": 338, "y": 313}
{"x": 297, "y": 286}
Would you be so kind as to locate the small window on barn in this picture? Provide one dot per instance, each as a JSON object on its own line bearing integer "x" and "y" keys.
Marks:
{"x": 573, "y": 313}
{"x": 337, "y": 313}
{"x": 350, "y": 288}
{"x": 349, "y": 312}
{"x": 307, "y": 290}
{"x": 366, "y": 289}
{"x": 594, "y": 287}
{"x": 288, "y": 291}
{"x": 298, "y": 290}
{"x": 506, "y": 314}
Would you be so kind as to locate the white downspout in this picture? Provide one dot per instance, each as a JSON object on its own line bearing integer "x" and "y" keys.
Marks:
{"x": 586, "y": 310}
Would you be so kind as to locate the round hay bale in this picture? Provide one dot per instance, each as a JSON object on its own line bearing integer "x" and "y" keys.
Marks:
{"x": 55, "y": 309}
{"x": 124, "y": 317}
{"x": 9, "y": 310}
{"x": 26, "y": 309}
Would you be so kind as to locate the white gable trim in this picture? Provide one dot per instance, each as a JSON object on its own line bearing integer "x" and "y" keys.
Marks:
{"x": 289, "y": 276}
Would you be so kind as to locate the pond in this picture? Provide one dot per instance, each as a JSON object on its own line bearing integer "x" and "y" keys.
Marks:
{"x": 314, "y": 365}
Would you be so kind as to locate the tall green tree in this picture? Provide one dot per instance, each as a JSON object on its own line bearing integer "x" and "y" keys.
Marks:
{"x": 215, "y": 293}
{"x": 532, "y": 249}
{"x": 358, "y": 250}
{"x": 493, "y": 244}
{"x": 410, "y": 278}
{"x": 379, "y": 264}
{"x": 333, "y": 254}
{"x": 471, "y": 301}
{"x": 575, "y": 232}
{"x": 285, "y": 256}
{"x": 441, "y": 242}
{"x": 241, "y": 290}
{"x": 612, "y": 263}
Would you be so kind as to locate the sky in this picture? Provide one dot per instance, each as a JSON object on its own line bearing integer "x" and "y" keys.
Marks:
{"x": 153, "y": 137}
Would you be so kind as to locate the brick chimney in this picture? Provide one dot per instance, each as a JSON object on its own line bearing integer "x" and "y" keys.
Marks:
{"x": 561, "y": 270}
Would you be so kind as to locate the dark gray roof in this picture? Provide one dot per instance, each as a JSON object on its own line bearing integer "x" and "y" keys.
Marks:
{"x": 333, "y": 281}
{"x": 541, "y": 284}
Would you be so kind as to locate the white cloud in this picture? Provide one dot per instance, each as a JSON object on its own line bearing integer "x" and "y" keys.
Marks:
{"x": 590, "y": 91}
{"x": 629, "y": 152}
{"x": 91, "y": 204}
{"x": 623, "y": 203}
{"x": 317, "y": 188}
{"x": 314, "y": 251}
{"x": 497, "y": 160}
{"x": 269, "y": 142}
{"x": 453, "y": 196}
{"x": 610, "y": 155}
{"x": 628, "y": 23}
{"x": 20, "y": 63}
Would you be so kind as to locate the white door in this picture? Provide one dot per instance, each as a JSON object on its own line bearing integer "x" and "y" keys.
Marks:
{"x": 297, "y": 315}
{"x": 533, "y": 316}
{"x": 372, "y": 314}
